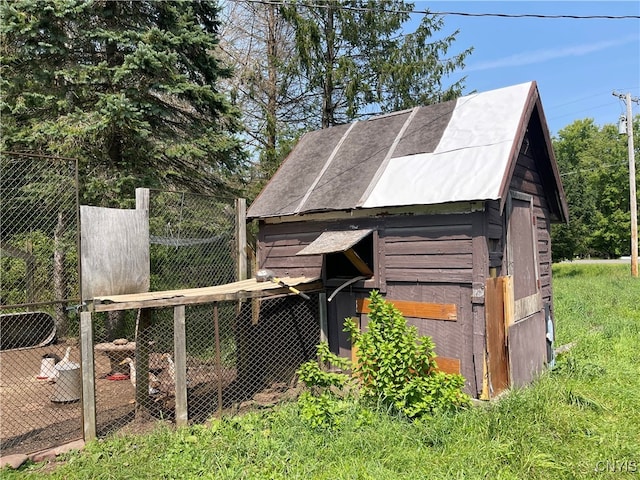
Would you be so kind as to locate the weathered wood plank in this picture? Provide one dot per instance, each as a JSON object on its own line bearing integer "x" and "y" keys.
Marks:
{"x": 180, "y": 364}
{"x": 527, "y": 306}
{"x": 429, "y": 275}
{"x": 289, "y": 262}
{"x": 114, "y": 251}
{"x": 497, "y": 355}
{"x": 288, "y": 251}
{"x": 418, "y": 262}
{"x": 430, "y": 311}
{"x": 241, "y": 237}
{"x": 143, "y": 340}
{"x": 360, "y": 264}
{"x": 290, "y": 239}
{"x": 88, "y": 377}
{"x": 436, "y": 232}
{"x": 448, "y": 365}
{"x": 428, "y": 247}
{"x": 193, "y": 296}
{"x": 527, "y": 349}
{"x": 508, "y": 302}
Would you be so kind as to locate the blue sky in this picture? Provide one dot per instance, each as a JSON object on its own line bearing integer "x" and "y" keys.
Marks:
{"x": 576, "y": 63}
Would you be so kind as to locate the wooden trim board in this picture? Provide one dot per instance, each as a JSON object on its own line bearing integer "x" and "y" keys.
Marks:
{"x": 527, "y": 306}
{"x": 431, "y": 311}
{"x": 448, "y": 365}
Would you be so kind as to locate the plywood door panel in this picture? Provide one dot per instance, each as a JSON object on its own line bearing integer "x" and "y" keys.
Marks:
{"x": 527, "y": 349}
{"x": 497, "y": 355}
{"x": 114, "y": 251}
{"x": 522, "y": 248}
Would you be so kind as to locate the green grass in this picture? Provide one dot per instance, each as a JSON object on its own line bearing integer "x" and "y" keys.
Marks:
{"x": 575, "y": 422}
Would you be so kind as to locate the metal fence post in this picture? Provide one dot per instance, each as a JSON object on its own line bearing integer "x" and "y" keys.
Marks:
{"x": 322, "y": 310}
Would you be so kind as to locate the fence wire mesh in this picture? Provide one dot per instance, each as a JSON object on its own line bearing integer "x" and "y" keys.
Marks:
{"x": 239, "y": 356}
{"x": 192, "y": 244}
{"x": 39, "y": 404}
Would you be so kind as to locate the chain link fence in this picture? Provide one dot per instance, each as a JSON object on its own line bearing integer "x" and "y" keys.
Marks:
{"x": 239, "y": 354}
{"x": 38, "y": 282}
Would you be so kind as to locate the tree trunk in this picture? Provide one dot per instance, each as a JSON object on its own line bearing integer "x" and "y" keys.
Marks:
{"x": 272, "y": 90}
{"x": 329, "y": 57}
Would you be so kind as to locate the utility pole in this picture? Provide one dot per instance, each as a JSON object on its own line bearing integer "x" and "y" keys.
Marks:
{"x": 633, "y": 205}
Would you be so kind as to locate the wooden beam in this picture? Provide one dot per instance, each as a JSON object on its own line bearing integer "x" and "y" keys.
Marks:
{"x": 431, "y": 311}
{"x": 142, "y": 199}
{"x": 180, "y": 364}
{"x": 241, "y": 237}
{"x": 142, "y": 364}
{"x": 88, "y": 377}
{"x": 360, "y": 264}
{"x": 195, "y": 296}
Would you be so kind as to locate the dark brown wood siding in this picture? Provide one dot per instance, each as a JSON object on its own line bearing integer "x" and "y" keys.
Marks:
{"x": 429, "y": 249}
{"x": 278, "y": 245}
{"x": 526, "y": 179}
{"x": 452, "y": 339}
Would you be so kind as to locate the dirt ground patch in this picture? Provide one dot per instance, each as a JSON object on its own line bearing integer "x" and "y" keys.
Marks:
{"x": 30, "y": 421}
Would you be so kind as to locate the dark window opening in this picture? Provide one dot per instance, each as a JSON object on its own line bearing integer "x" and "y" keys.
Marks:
{"x": 346, "y": 264}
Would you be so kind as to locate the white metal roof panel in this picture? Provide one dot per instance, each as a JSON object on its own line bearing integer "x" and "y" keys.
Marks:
{"x": 470, "y": 160}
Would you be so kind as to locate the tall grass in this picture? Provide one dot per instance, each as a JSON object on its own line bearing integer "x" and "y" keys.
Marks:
{"x": 581, "y": 420}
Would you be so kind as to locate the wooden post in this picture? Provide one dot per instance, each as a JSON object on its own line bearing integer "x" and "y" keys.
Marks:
{"x": 322, "y": 309}
{"x": 216, "y": 325}
{"x": 180, "y": 356}
{"x": 88, "y": 377}
{"x": 142, "y": 199}
{"x": 142, "y": 364}
{"x": 241, "y": 236}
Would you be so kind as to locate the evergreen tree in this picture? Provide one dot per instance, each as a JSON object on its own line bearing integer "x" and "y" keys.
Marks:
{"x": 128, "y": 87}
{"x": 356, "y": 58}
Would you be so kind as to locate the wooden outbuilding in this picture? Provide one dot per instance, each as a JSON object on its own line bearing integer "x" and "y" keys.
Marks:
{"x": 446, "y": 209}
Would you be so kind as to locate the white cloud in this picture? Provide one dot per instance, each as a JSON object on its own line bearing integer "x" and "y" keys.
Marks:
{"x": 540, "y": 56}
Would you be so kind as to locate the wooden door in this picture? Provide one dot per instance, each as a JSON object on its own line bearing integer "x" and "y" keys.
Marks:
{"x": 342, "y": 306}
{"x": 526, "y": 333}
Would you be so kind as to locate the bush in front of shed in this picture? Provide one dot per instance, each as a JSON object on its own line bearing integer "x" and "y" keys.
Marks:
{"x": 395, "y": 368}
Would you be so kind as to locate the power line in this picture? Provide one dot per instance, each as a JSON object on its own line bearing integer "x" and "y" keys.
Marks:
{"x": 459, "y": 14}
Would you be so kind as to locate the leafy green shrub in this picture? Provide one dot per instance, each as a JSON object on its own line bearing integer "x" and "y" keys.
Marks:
{"x": 398, "y": 368}
{"x": 323, "y": 404}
